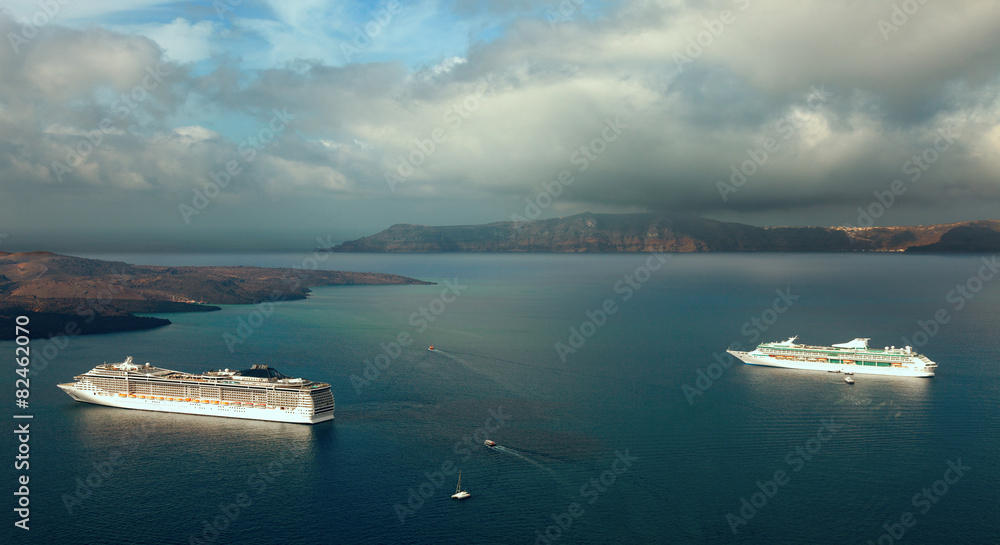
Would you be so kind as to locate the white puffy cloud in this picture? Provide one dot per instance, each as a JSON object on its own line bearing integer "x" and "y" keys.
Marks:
{"x": 182, "y": 41}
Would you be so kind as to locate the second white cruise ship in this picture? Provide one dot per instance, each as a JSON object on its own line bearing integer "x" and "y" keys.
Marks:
{"x": 849, "y": 357}
{"x": 258, "y": 393}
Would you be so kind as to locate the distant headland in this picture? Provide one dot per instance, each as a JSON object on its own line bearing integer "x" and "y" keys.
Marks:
{"x": 652, "y": 232}
{"x": 77, "y": 296}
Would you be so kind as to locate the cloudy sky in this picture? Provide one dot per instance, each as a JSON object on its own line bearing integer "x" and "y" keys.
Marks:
{"x": 268, "y": 123}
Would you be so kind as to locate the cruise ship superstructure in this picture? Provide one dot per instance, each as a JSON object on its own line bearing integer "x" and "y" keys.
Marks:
{"x": 258, "y": 393}
{"x": 853, "y": 356}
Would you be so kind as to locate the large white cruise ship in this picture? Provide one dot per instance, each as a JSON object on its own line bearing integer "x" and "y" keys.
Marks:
{"x": 258, "y": 393}
{"x": 849, "y": 357}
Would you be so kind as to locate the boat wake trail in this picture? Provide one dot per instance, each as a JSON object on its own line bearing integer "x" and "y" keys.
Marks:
{"x": 521, "y": 363}
{"x": 456, "y": 359}
{"x": 513, "y": 452}
{"x": 447, "y": 355}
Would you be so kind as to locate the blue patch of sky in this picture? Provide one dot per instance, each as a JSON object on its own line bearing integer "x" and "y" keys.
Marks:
{"x": 250, "y": 9}
{"x": 109, "y": 15}
{"x": 257, "y": 35}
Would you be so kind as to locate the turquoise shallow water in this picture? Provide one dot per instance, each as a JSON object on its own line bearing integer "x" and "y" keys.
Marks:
{"x": 614, "y": 410}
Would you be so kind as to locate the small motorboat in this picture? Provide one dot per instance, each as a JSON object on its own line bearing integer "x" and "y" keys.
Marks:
{"x": 833, "y": 371}
{"x": 849, "y": 380}
{"x": 490, "y": 443}
{"x": 459, "y": 493}
{"x": 848, "y": 372}
{"x": 431, "y": 348}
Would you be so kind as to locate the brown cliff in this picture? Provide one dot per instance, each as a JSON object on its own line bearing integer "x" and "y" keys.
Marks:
{"x": 95, "y": 296}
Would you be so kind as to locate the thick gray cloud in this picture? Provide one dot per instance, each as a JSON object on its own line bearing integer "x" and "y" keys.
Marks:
{"x": 697, "y": 89}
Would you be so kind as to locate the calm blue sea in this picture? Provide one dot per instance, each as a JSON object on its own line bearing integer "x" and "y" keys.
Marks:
{"x": 601, "y": 442}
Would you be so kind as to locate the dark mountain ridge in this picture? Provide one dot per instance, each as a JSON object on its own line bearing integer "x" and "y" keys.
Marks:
{"x": 652, "y": 232}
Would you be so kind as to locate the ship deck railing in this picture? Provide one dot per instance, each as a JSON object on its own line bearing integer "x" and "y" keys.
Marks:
{"x": 895, "y": 352}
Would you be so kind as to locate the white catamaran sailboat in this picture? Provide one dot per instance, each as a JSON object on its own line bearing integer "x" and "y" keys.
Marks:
{"x": 459, "y": 493}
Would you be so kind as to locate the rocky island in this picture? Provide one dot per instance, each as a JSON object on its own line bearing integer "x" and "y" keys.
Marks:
{"x": 653, "y": 232}
{"x": 73, "y": 295}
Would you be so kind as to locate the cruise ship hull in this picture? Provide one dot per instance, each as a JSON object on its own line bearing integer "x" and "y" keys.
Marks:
{"x": 768, "y": 361}
{"x": 272, "y": 414}
{"x": 258, "y": 393}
